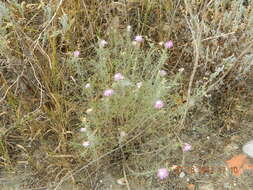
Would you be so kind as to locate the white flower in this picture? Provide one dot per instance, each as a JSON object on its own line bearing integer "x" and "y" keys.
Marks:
{"x": 139, "y": 84}
{"x": 87, "y": 85}
{"x": 248, "y": 148}
{"x": 162, "y": 73}
{"x": 129, "y": 28}
{"x": 102, "y": 43}
{"x": 181, "y": 70}
{"x": 86, "y": 143}
{"x": 182, "y": 174}
{"x": 83, "y": 129}
{"x": 89, "y": 110}
{"x": 121, "y": 181}
{"x": 161, "y": 43}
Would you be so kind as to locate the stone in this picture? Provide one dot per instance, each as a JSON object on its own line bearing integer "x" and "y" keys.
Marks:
{"x": 248, "y": 148}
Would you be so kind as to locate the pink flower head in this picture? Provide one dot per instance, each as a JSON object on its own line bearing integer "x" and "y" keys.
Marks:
{"x": 168, "y": 44}
{"x": 118, "y": 76}
{"x": 159, "y": 104}
{"x": 187, "y": 147}
{"x": 102, "y": 43}
{"x": 162, "y": 173}
{"x": 76, "y": 53}
{"x": 138, "y": 38}
{"x": 108, "y": 92}
{"x": 162, "y": 73}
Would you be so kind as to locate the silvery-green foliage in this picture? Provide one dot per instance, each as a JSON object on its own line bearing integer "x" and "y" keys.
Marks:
{"x": 4, "y": 13}
{"x": 66, "y": 23}
{"x": 5, "y": 17}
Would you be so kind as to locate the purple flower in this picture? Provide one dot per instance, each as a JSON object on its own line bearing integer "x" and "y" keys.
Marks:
{"x": 102, "y": 43}
{"x": 162, "y": 73}
{"x": 138, "y": 38}
{"x": 162, "y": 173}
{"x": 118, "y": 76}
{"x": 159, "y": 104}
{"x": 168, "y": 44}
{"x": 187, "y": 147}
{"x": 76, "y": 53}
{"x": 108, "y": 92}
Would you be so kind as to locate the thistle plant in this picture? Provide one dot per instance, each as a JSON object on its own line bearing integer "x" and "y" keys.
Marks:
{"x": 120, "y": 103}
